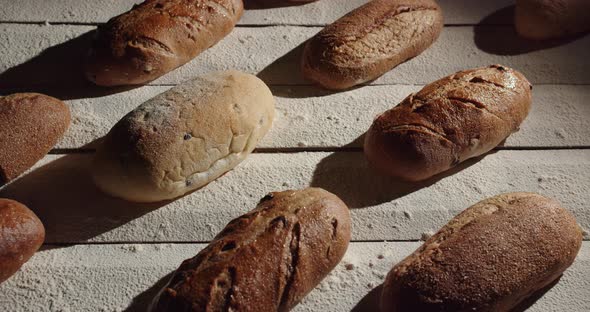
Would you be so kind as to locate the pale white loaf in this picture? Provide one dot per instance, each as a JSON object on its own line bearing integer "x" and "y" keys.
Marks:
{"x": 184, "y": 138}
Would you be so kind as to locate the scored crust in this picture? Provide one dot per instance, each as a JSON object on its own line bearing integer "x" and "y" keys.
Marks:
{"x": 157, "y": 36}
{"x": 371, "y": 40}
{"x": 265, "y": 260}
{"x": 450, "y": 120}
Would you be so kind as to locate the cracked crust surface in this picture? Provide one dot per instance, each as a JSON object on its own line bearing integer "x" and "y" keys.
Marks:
{"x": 490, "y": 257}
{"x": 371, "y": 40}
{"x": 184, "y": 138}
{"x": 21, "y": 235}
{"x": 156, "y": 37}
{"x": 450, "y": 120}
{"x": 549, "y": 19}
{"x": 265, "y": 260}
{"x": 30, "y": 125}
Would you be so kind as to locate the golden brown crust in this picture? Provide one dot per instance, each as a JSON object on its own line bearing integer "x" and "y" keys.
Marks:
{"x": 30, "y": 125}
{"x": 21, "y": 235}
{"x": 450, "y": 120}
{"x": 548, "y": 19}
{"x": 490, "y": 257}
{"x": 371, "y": 40}
{"x": 156, "y": 37}
{"x": 265, "y": 260}
{"x": 185, "y": 137}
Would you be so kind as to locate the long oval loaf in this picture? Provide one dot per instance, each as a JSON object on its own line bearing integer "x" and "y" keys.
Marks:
{"x": 185, "y": 137}
{"x": 156, "y": 37}
{"x": 21, "y": 235}
{"x": 450, "y": 120}
{"x": 549, "y": 19}
{"x": 30, "y": 125}
{"x": 265, "y": 260}
{"x": 491, "y": 257}
{"x": 371, "y": 40}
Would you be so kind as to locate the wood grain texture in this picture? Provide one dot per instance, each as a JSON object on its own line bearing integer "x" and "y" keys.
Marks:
{"x": 126, "y": 277}
{"x": 458, "y": 48}
{"x": 317, "y": 13}
{"x": 73, "y": 210}
{"x": 308, "y": 117}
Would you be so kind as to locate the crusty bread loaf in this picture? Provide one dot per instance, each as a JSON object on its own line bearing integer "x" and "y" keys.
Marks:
{"x": 30, "y": 125}
{"x": 184, "y": 138}
{"x": 371, "y": 40}
{"x": 21, "y": 234}
{"x": 450, "y": 120}
{"x": 548, "y": 19}
{"x": 491, "y": 257}
{"x": 156, "y": 37}
{"x": 265, "y": 260}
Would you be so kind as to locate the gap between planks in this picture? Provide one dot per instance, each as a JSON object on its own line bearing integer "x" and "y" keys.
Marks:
{"x": 292, "y": 150}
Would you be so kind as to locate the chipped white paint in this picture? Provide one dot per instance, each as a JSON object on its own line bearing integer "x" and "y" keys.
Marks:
{"x": 73, "y": 210}
{"x": 317, "y": 13}
{"x": 308, "y": 117}
{"x": 273, "y": 54}
{"x": 126, "y": 278}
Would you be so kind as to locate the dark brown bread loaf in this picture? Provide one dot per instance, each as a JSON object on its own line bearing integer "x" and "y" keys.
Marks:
{"x": 490, "y": 257}
{"x": 21, "y": 234}
{"x": 156, "y": 37}
{"x": 371, "y": 40}
{"x": 450, "y": 120}
{"x": 30, "y": 125}
{"x": 547, "y": 19}
{"x": 266, "y": 260}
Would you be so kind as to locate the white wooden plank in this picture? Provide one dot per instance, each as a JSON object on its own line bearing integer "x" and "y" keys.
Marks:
{"x": 127, "y": 277}
{"x": 73, "y": 210}
{"x": 455, "y": 50}
{"x": 318, "y": 13}
{"x": 307, "y": 117}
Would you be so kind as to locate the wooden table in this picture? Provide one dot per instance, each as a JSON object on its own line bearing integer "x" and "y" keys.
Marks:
{"x": 103, "y": 254}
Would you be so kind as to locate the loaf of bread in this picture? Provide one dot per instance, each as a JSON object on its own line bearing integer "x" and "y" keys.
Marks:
{"x": 21, "y": 235}
{"x": 491, "y": 257}
{"x": 265, "y": 260}
{"x": 156, "y": 37}
{"x": 30, "y": 125}
{"x": 184, "y": 138}
{"x": 549, "y": 19}
{"x": 450, "y": 120}
{"x": 371, "y": 40}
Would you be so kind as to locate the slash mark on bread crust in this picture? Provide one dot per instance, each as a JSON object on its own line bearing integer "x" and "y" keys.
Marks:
{"x": 292, "y": 268}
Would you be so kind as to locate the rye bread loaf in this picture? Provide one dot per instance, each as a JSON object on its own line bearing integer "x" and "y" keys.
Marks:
{"x": 490, "y": 257}
{"x": 265, "y": 260}
{"x": 450, "y": 120}
{"x": 371, "y": 40}
{"x": 156, "y": 37}
{"x": 30, "y": 125}
{"x": 184, "y": 138}
{"x": 21, "y": 235}
{"x": 549, "y": 19}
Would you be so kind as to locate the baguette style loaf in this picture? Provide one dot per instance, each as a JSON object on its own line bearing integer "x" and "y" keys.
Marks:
{"x": 30, "y": 125}
{"x": 550, "y": 19}
{"x": 21, "y": 235}
{"x": 491, "y": 257}
{"x": 266, "y": 260}
{"x": 371, "y": 40}
{"x": 184, "y": 138}
{"x": 450, "y": 120}
{"x": 156, "y": 37}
